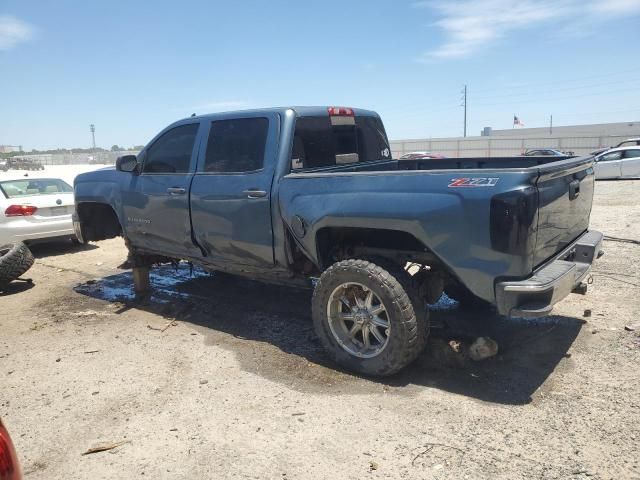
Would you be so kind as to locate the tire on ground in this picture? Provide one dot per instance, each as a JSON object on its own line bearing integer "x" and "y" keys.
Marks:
{"x": 15, "y": 260}
{"x": 407, "y": 315}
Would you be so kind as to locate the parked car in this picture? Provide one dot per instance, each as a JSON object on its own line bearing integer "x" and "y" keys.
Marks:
{"x": 623, "y": 162}
{"x": 420, "y": 155}
{"x": 35, "y": 209}
{"x": 630, "y": 142}
{"x": 308, "y": 196}
{"x": 544, "y": 152}
{"x": 599, "y": 151}
{"x": 9, "y": 466}
{"x": 24, "y": 164}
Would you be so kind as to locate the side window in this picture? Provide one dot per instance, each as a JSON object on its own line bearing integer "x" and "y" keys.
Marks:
{"x": 632, "y": 153}
{"x": 236, "y": 145}
{"x": 611, "y": 156}
{"x": 171, "y": 153}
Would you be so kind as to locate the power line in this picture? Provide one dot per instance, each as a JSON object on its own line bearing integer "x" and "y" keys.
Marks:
{"x": 556, "y": 82}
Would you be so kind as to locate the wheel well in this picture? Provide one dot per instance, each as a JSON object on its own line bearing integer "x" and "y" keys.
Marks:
{"x": 99, "y": 221}
{"x": 336, "y": 244}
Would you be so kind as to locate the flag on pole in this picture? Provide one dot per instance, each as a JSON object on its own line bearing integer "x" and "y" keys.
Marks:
{"x": 517, "y": 122}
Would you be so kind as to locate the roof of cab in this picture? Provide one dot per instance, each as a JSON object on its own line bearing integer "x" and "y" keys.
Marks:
{"x": 301, "y": 111}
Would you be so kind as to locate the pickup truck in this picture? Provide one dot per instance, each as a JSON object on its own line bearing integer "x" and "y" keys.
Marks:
{"x": 310, "y": 196}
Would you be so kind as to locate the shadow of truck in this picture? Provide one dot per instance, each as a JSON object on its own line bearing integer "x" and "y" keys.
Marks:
{"x": 256, "y": 316}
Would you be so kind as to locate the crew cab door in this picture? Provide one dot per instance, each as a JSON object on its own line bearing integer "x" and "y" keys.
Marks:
{"x": 608, "y": 165}
{"x": 231, "y": 191}
{"x": 156, "y": 202}
{"x": 630, "y": 163}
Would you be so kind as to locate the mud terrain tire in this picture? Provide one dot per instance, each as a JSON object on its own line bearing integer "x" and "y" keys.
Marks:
{"x": 15, "y": 260}
{"x": 406, "y": 314}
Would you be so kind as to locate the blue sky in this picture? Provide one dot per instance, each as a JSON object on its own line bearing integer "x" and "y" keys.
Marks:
{"x": 131, "y": 68}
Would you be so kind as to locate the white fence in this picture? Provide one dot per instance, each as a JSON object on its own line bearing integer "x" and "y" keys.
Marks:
{"x": 97, "y": 158}
{"x": 503, "y": 146}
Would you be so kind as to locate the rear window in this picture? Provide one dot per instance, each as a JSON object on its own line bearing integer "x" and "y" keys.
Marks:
{"x": 326, "y": 141}
{"x": 34, "y": 186}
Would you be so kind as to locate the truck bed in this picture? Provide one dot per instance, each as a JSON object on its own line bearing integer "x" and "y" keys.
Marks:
{"x": 467, "y": 163}
{"x": 522, "y": 211}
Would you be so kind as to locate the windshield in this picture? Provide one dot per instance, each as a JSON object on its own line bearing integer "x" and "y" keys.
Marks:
{"x": 324, "y": 141}
{"x": 34, "y": 186}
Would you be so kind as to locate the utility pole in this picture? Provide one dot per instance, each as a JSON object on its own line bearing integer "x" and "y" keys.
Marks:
{"x": 551, "y": 125}
{"x": 464, "y": 105}
{"x": 92, "y": 128}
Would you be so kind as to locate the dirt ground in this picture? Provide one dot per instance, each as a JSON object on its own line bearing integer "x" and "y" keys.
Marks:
{"x": 237, "y": 385}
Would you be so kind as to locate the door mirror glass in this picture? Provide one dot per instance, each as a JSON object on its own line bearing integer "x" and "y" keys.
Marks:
{"x": 127, "y": 163}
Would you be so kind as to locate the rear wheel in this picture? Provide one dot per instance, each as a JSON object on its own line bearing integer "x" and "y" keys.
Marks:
{"x": 15, "y": 260}
{"x": 369, "y": 318}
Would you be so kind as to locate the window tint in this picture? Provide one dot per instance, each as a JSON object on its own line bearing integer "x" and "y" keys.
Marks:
{"x": 40, "y": 186}
{"x": 171, "y": 153}
{"x": 632, "y": 153}
{"x": 610, "y": 156}
{"x": 325, "y": 141}
{"x": 236, "y": 145}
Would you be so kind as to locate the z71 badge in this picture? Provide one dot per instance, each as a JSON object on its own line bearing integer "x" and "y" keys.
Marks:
{"x": 473, "y": 182}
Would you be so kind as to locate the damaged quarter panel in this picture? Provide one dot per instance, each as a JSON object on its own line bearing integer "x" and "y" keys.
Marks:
{"x": 453, "y": 223}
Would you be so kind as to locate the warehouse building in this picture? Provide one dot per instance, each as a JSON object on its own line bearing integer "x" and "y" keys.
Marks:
{"x": 577, "y": 139}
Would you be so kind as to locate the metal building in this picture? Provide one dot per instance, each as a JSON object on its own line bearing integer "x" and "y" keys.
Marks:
{"x": 578, "y": 139}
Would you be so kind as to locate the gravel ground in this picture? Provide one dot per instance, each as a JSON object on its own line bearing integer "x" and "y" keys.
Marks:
{"x": 223, "y": 378}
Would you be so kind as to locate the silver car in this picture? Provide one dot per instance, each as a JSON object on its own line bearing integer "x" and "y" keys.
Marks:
{"x": 623, "y": 162}
{"x": 35, "y": 209}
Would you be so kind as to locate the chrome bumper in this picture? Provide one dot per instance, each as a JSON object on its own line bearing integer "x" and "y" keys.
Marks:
{"x": 553, "y": 281}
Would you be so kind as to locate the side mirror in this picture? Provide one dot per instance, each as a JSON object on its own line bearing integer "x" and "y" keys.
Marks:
{"x": 127, "y": 163}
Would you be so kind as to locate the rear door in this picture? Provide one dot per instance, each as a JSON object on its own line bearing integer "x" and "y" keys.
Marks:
{"x": 608, "y": 165}
{"x": 156, "y": 202}
{"x": 630, "y": 163}
{"x": 231, "y": 192}
{"x": 565, "y": 195}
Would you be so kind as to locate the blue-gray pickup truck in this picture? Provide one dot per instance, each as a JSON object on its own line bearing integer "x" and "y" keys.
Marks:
{"x": 312, "y": 196}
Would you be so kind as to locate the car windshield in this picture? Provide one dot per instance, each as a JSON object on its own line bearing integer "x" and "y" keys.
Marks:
{"x": 34, "y": 186}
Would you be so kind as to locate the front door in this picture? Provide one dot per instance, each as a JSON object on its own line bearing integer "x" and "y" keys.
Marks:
{"x": 608, "y": 165}
{"x": 156, "y": 203}
{"x": 231, "y": 192}
{"x": 630, "y": 163}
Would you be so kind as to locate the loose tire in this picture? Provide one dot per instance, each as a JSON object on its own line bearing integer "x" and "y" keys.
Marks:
{"x": 15, "y": 260}
{"x": 358, "y": 297}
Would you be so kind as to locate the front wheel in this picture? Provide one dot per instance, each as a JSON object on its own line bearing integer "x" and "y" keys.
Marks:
{"x": 369, "y": 318}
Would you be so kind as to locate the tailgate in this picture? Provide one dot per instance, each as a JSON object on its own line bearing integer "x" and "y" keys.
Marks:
{"x": 565, "y": 194}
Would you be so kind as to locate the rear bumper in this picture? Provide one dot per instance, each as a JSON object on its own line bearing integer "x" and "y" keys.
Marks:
{"x": 25, "y": 230}
{"x": 553, "y": 281}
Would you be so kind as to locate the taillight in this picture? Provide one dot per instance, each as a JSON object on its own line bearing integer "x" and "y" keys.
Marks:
{"x": 20, "y": 210}
{"x": 340, "y": 112}
{"x": 9, "y": 467}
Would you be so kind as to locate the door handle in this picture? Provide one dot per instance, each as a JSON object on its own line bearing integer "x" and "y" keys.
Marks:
{"x": 574, "y": 189}
{"x": 253, "y": 193}
{"x": 176, "y": 191}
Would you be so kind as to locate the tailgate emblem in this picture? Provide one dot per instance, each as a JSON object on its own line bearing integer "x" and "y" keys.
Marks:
{"x": 473, "y": 182}
{"x": 58, "y": 202}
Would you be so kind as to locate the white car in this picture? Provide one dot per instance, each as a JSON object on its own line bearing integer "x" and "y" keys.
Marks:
{"x": 623, "y": 162}
{"x": 35, "y": 209}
